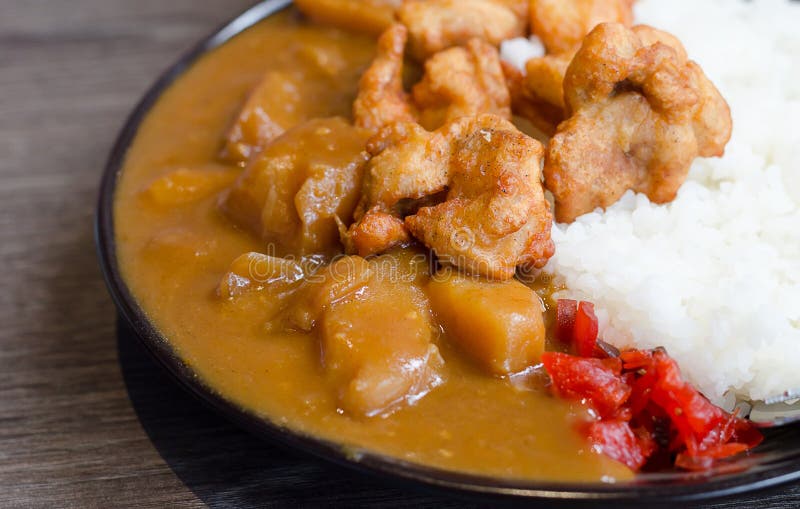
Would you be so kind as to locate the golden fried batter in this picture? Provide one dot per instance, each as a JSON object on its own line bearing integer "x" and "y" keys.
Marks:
{"x": 494, "y": 216}
{"x": 462, "y": 82}
{"x": 640, "y": 114}
{"x": 381, "y": 99}
{"x": 405, "y": 164}
{"x": 435, "y": 25}
{"x": 374, "y": 233}
{"x": 370, "y": 16}
{"x": 562, "y": 24}
{"x": 545, "y": 76}
{"x": 538, "y": 95}
{"x": 377, "y": 224}
{"x": 712, "y": 123}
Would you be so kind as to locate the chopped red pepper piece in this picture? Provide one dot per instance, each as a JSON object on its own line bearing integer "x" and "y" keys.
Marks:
{"x": 576, "y": 325}
{"x": 566, "y": 309}
{"x": 636, "y": 359}
{"x": 594, "y": 380}
{"x": 745, "y": 433}
{"x": 692, "y": 414}
{"x": 584, "y": 335}
{"x": 708, "y": 458}
{"x": 617, "y": 440}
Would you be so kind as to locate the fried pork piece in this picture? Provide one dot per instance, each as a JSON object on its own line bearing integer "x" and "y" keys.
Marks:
{"x": 562, "y": 24}
{"x": 374, "y": 232}
{"x": 294, "y": 190}
{"x": 378, "y": 224}
{"x": 545, "y": 77}
{"x": 375, "y": 329}
{"x": 640, "y": 114}
{"x": 462, "y": 82}
{"x": 494, "y": 216}
{"x": 370, "y": 16}
{"x": 538, "y": 95}
{"x": 435, "y": 25}
{"x": 381, "y": 99}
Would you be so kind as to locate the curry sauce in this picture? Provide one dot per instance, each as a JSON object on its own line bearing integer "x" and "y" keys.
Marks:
{"x": 175, "y": 244}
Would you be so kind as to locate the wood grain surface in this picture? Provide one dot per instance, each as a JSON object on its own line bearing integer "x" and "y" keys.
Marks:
{"x": 86, "y": 419}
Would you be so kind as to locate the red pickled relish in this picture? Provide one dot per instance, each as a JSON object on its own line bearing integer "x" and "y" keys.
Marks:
{"x": 643, "y": 407}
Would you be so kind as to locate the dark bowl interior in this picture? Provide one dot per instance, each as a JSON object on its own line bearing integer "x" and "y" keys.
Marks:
{"x": 776, "y": 461}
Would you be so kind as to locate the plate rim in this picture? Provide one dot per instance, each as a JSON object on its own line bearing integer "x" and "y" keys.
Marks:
{"x": 393, "y": 469}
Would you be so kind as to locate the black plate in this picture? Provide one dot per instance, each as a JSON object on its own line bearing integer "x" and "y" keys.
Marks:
{"x": 776, "y": 461}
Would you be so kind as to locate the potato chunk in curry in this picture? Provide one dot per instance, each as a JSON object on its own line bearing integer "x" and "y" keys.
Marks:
{"x": 270, "y": 108}
{"x": 256, "y": 271}
{"x": 187, "y": 185}
{"x": 375, "y": 331}
{"x": 498, "y": 324}
{"x": 279, "y": 100}
{"x": 292, "y": 192}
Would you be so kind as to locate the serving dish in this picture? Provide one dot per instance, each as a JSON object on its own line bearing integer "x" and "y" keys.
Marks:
{"x": 777, "y": 461}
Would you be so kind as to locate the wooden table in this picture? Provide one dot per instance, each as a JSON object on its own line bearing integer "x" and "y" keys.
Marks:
{"x": 86, "y": 419}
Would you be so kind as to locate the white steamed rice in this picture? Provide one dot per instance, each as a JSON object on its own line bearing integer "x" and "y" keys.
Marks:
{"x": 715, "y": 275}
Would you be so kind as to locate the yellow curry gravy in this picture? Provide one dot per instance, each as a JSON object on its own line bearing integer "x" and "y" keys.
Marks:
{"x": 173, "y": 253}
